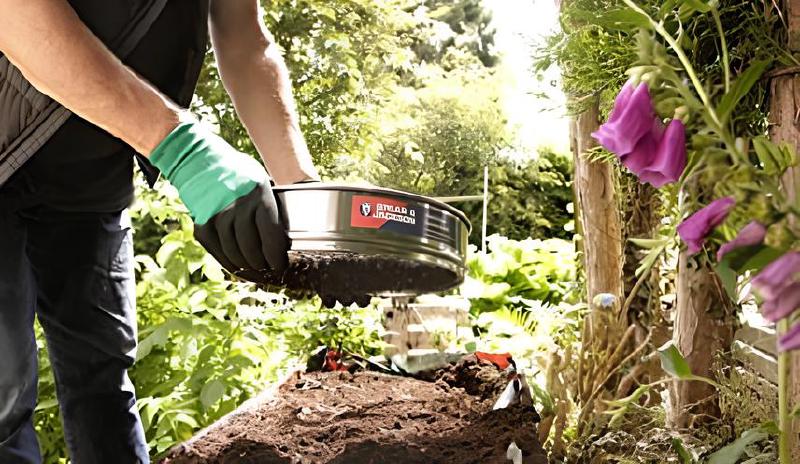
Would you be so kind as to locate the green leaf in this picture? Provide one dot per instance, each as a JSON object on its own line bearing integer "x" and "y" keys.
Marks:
{"x": 771, "y": 428}
{"x": 697, "y": 5}
{"x": 647, "y": 242}
{"x": 765, "y": 151}
{"x": 740, "y": 88}
{"x": 666, "y": 7}
{"x": 623, "y": 405}
{"x": 198, "y": 298}
{"x": 46, "y": 404}
{"x": 167, "y": 251}
{"x": 673, "y": 362}
{"x": 326, "y": 11}
{"x": 149, "y": 411}
{"x": 211, "y": 393}
{"x": 731, "y": 453}
{"x": 763, "y": 257}
{"x": 649, "y": 260}
{"x": 184, "y": 418}
{"x": 623, "y": 19}
{"x": 750, "y": 258}
{"x": 728, "y": 277}
{"x": 212, "y": 269}
{"x": 683, "y": 453}
{"x": 543, "y": 397}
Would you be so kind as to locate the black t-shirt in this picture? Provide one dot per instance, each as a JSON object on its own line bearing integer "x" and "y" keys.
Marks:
{"x": 82, "y": 167}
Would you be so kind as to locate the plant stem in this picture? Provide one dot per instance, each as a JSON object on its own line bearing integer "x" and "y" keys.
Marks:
{"x": 687, "y": 65}
{"x": 726, "y": 67}
{"x": 729, "y": 141}
{"x": 784, "y": 416}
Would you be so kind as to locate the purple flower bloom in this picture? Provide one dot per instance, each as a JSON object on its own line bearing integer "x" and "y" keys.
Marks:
{"x": 634, "y": 133}
{"x": 779, "y": 285}
{"x": 751, "y": 234}
{"x": 638, "y": 160}
{"x": 790, "y": 340}
{"x": 696, "y": 227}
{"x": 778, "y": 275}
{"x": 632, "y": 117}
{"x": 784, "y": 304}
{"x": 669, "y": 161}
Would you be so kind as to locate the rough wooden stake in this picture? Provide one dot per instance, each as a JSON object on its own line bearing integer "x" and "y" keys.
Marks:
{"x": 702, "y": 328}
{"x": 785, "y": 127}
{"x": 602, "y": 236}
{"x": 597, "y": 208}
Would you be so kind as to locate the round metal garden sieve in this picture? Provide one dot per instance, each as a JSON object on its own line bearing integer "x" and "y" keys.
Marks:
{"x": 348, "y": 242}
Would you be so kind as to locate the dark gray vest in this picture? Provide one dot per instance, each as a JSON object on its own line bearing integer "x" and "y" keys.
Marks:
{"x": 29, "y": 118}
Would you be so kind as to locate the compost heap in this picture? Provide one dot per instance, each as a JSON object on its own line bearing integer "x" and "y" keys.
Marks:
{"x": 372, "y": 417}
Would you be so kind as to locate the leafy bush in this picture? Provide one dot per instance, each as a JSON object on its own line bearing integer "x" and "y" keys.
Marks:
{"x": 438, "y": 145}
{"x": 527, "y": 199}
{"x": 512, "y": 271}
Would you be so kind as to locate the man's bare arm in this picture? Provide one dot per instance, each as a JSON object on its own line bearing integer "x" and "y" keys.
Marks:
{"x": 61, "y": 57}
{"x": 256, "y": 77}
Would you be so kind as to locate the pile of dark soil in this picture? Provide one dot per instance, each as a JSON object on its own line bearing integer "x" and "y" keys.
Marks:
{"x": 351, "y": 277}
{"x": 369, "y": 417}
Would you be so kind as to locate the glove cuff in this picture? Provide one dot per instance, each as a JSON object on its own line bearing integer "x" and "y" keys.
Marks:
{"x": 208, "y": 173}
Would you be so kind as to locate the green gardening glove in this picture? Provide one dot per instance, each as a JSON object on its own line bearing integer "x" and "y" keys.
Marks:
{"x": 228, "y": 195}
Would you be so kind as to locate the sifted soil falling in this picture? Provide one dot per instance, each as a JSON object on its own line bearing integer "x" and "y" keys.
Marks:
{"x": 352, "y": 277}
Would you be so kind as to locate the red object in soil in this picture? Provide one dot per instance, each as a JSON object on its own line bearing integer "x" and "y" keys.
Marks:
{"x": 333, "y": 362}
{"x": 372, "y": 418}
{"x": 500, "y": 360}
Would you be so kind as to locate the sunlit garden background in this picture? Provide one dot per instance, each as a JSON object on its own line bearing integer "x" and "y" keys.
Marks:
{"x": 585, "y": 278}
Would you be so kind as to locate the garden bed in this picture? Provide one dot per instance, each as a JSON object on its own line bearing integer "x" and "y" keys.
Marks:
{"x": 368, "y": 417}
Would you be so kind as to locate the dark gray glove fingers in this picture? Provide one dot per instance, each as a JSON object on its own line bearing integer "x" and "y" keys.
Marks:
{"x": 225, "y": 223}
{"x": 208, "y": 238}
{"x": 247, "y": 236}
{"x": 274, "y": 240}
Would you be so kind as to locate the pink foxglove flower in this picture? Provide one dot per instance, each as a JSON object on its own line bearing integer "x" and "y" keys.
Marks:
{"x": 779, "y": 286}
{"x": 669, "y": 160}
{"x": 634, "y": 133}
{"x": 790, "y": 340}
{"x": 699, "y": 225}
{"x": 631, "y": 119}
{"x": 751, "y": 234}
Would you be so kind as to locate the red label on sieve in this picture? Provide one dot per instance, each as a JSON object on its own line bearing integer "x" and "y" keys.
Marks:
{"x": 370, "y": 212}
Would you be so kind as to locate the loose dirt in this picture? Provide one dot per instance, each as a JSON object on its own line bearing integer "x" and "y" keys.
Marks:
{"x": 367, "y": 417}
{"x": 352, "y": 277}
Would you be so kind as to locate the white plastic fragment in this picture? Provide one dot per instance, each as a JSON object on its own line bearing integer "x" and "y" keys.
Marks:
{"x": 509, "y": 396}
{"x": 514, "y": 454}
{"x": 517, "y": 391}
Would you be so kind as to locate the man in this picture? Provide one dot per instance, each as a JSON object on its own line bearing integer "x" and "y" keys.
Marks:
{"x": 85, "y": 85}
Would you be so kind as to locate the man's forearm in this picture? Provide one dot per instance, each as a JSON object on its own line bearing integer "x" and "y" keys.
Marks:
{"x": 256, "y": 77}
{"x": 61, "y": 57}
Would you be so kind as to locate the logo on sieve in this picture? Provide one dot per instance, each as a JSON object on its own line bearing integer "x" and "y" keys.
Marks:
{"x": 366, "y": 208}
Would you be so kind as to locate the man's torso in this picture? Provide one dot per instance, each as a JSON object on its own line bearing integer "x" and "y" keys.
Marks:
{"x": 83, "y": 168}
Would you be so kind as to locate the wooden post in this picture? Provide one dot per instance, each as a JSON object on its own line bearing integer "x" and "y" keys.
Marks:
{"x": 785, "y": 127}
{"x": 596, "y": 203}
{"x": 703, "y": 327}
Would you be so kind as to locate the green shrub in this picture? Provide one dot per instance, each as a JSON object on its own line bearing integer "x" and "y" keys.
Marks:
{"x": 541, "y": 270}
{"x": 526, "y": 199}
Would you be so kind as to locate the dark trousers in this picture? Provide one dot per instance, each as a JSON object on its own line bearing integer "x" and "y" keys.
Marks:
{"x": 74, "y": 271}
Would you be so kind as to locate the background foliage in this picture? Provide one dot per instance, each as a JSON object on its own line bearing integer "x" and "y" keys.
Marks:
{"x": 402, "y": 93}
